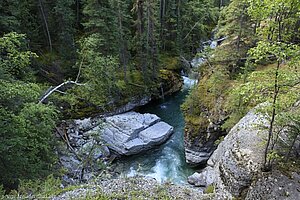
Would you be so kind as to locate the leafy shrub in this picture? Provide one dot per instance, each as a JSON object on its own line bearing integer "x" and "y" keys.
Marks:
{"x": 209, "y": 189}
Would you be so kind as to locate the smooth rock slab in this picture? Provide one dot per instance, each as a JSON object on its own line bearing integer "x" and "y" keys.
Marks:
{"x": 136, "y": 145}
{"x": 132, "y": 132}
{"x": 156, "y": 133}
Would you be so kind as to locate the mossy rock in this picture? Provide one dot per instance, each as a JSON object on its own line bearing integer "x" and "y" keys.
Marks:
{"x": 170, "y": 81}
{"x": 170, "y": 63}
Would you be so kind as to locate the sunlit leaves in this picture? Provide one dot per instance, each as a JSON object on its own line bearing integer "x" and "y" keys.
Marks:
{"x": 278, "y": 18}
{"x": 14, "y": 95}
{"x": 97, "y": 71}
{"x": 277, "y": 50}
{"x": 14, "y": 58}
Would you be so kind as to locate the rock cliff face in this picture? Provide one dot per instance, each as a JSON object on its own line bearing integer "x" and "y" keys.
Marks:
{"x": 199, "y": 148}
{"x": 134, "y": 103}
{"x": 239, "y": 158}
{"x": 235, "y": 167}
{"x": 170, "y": 82}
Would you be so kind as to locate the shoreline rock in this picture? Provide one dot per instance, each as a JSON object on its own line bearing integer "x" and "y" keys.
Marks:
{"x": 90, "y": 141}
{"x": 131, "y": 133}
{"x": 238, "y": 159}
{"x": 199, "y": 149}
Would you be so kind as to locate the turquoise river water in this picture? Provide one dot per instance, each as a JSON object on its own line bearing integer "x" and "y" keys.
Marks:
{"x": 166, "y": 162}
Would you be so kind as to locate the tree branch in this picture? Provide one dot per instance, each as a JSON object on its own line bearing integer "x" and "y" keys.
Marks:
{"x": 186, "y": 62}
{"x": 50, "y": 91}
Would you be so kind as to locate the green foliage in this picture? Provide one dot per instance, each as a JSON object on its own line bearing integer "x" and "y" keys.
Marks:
{"x": 15, "y": 59}
{"x": 266, "y": 34}
{"x": 2, "y": 192}
{"x": 65, "y": 19}
{"x": 98, "y": 72}
{"x": 258, "y": 89}
{"x": 239, "y": 29}
{"x": 209, "y": 189}
{"x": 26, "y": 149}
{"x": 234, "y": 20}
{"x": 41, "y": 188}
{"x": 27, "y": 143}
{"x": 193, "y": 30}
{"x": 274, "y": 45}
{"x": 13, "y": 95}
{"x": 218, "y": 141}
{"x": 109, "y": 19}
{"x": 206, "y": 101}
{"x": 278, "y": 50}
{"x": 275, "y": 24}
{"x": 169, "y": 63}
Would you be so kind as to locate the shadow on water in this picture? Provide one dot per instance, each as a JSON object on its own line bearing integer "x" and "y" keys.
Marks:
{"x": 166, "y": 162}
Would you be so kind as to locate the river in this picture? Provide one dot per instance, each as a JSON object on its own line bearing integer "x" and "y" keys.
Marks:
{"x": 166, "y": 162}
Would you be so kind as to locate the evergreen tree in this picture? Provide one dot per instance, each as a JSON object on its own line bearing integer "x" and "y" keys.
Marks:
{"x": 64, "y": 16}
{"x": 26, "y": 149}
{"x": 102, "y": 19}
{"x": 198, "y": 20}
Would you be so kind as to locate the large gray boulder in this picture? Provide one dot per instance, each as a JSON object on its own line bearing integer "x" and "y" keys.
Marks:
{"x": 131, "y": 133}
{"x": 238, "y": 159}
{"x": 240, "y": 156}
{"x": 235, "y": 168}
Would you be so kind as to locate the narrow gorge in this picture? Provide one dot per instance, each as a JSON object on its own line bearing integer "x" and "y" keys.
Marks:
{"x": 147, "y": 99}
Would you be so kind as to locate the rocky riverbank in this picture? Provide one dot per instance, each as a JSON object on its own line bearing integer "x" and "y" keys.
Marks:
{"x": 91, "y": 143}
{"x": 235, "y": 168}
{"x": 133, "y": 188}
{"x": 199, "y": 147}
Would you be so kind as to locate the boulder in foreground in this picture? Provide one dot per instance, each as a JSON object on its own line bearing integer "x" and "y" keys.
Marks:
{"x": 235, "y": 168}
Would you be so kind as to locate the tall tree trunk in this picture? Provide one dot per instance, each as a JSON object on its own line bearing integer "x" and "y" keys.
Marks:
{"x": 267, "y": 162}
{"x": 162, "y": 22}
{"x": 241, "y": 28}
{"x": 151, "y": 42}
{"x": 178, "y": 31}
{"x": 77, "y": 12}
{"x": 46, "y": 24}
{"x": 122, "y": 44}
{"x": 221, "y": 4}
{"x": 140, "y": 34}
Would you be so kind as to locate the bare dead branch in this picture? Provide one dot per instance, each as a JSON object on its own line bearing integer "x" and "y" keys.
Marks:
{"x": 186, "y": 62}
{"x": 50, "y": 91}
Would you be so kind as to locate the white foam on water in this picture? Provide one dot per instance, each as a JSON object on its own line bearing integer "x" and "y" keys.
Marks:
{"x": 159, "y": 172}
{"x": 163, "y": 106}
{"x": 168, "y": 163}
{"x": 188, "y": 83}
{"x": 132, "y": 172}
{"x": 213, "y": 44}
{"x": 197, "y": 61}
{"x": 166, "y": 168}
